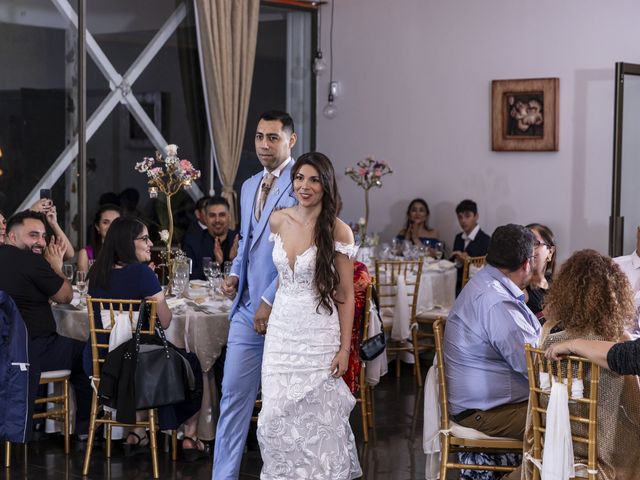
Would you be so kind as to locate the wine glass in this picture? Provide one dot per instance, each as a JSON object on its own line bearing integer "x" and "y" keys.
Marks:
{"x": 180, "y": 280}
{"x": 439, "y": 250}
{"x": 227, "y": 269}
{"x": 206, "y": 267}
{"x": 67, "y": 269}
{"x": 82, "y": 284}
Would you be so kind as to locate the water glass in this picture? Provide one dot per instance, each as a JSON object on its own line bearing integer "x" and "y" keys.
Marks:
{"x": 206, "y": 266}
{"x": 82, "y": 284}
{"x": 67, "y": 269}
{"x": 179, "y": 282}
{"x": 227, "y": 269}
{"x": 439, "y": 250}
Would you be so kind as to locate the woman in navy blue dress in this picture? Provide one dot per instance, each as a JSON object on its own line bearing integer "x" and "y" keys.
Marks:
{"x": 121, "y": 272}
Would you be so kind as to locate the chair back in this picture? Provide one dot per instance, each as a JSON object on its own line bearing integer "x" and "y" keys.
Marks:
{"x": 387, "y": 274}
{"x": 477, "y": 262}
{"x": 575, "y": 372}
{"x": 438, "y": 327}
{"x": 99, "y": 334}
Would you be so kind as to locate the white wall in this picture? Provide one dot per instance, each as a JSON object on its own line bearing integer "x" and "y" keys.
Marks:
{"x": 416, "y": 85}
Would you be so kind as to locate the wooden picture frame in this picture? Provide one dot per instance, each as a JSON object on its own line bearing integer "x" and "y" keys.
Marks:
{"x": 524, "y": 115}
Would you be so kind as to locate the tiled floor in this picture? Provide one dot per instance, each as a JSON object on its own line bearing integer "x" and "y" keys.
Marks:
{"x": 394, "y": 451}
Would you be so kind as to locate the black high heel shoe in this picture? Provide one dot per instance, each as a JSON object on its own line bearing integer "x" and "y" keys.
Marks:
{"x": 140, "y": 446}
{"x": 196, "y": 453}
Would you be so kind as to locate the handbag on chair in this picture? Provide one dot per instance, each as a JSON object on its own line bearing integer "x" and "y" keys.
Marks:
{"x": 374, "y": 346}
{"x": 163, "y": 376}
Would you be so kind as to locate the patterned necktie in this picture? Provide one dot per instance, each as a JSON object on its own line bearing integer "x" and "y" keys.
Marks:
{"x": 267, "y": 182}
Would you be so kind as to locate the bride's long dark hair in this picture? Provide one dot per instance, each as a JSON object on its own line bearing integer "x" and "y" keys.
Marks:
{"x": 325, "y": 277}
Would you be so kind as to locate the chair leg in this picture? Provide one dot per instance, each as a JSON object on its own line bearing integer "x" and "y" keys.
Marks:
{"x": 174, "y": 445}
{"x": 7, "y": 454}
{"x": 67, "y": 448}
{"x": 370, "y": 408}
{"x": 109, "y": 437}
{"x": 154, "y": 443}
{"x": 416, "y": 355}
{"x": 398, "y": 365}
{"x": 364, "y": 412}
{"x": 92, "y": 431}
{"x": 444, "y": 456}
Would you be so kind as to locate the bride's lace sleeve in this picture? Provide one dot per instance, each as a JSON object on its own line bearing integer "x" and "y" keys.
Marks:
{"x": 348, "y": 249}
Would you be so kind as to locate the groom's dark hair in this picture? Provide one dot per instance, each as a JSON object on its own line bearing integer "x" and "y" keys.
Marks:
{"x": 282, "y": 117}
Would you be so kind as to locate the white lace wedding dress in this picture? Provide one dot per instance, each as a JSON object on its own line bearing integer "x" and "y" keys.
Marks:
{"x": 303, "y": 427}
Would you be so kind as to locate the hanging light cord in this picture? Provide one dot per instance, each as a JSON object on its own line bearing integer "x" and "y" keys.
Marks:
{"x": 333, "y": 4}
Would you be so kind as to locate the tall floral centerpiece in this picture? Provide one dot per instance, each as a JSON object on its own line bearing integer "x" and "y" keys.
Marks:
{"x": 367, "y": 174}
{"x": 167, "y": 175}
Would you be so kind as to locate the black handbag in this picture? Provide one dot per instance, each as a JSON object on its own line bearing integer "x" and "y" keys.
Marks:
{"x": 163, "y": 376}
{"x": 374, "y": 346}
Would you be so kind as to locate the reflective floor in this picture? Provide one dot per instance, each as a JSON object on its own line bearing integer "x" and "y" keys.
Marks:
{"x": 394, "y": 450}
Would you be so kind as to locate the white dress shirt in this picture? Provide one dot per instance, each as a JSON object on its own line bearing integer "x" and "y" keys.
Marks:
{"x": 630, "y": 265}
{"x": 471, "y": 237}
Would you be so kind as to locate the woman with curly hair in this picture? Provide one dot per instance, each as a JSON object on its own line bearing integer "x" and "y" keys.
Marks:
{"x": 592, "y": 299}
{"x": 303, "y": 427}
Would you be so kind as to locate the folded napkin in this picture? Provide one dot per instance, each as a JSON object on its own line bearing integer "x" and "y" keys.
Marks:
{"x": 401, "y": 329}
{"x": 439, "y": 266}
{"x": 75, "y": 301}
{"x": 175, "y": 302}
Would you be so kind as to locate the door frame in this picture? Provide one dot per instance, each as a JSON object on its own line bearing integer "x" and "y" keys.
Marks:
{"x": 616, "y": 222}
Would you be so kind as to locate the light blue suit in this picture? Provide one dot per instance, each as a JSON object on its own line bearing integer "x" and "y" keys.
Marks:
{"x": 257, "y": 278}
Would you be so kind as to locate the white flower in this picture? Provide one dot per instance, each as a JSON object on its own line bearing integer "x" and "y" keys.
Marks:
{"x": 164, "y": 236}
{"x": 172, "y": 150}
{"x": 142, "y": 166}
{"x": 362, "y": 221}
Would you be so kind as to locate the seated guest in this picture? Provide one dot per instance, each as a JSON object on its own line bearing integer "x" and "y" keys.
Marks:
{"x": 199, "y": 223}
{"x": 544, "y": 264}
{"x": 630, "y": 265}
{"x": 217, "y": 242}
{"x": 472, "y": 241}
{"x": 484, "y": 339}
{"x": 3, "y": 227}
{"x": 101, "y": 223}
{"x": 417, "y": 229}
{"x": 46, "y": 206}
{"x": 32, "y": 275}
{"x": 592, "y": 300}
{"x": 121, "y": 272}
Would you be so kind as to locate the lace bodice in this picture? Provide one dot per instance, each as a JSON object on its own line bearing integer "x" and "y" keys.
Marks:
{"x": 299, "y": 277}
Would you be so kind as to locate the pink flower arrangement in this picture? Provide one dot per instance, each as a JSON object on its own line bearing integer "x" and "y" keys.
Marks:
{"x": 367, "y": 173}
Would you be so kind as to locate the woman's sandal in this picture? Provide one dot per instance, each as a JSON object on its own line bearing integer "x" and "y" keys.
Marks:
{"x": 195, "y": 453}
{"x": 140, "y": 446}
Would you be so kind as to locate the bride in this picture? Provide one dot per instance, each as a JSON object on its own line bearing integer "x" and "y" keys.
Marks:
{"x": 303, "y": 427}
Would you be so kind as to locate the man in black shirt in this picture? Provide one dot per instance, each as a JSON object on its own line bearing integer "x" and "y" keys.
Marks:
{"x": 217, "y": 242}
{"x": 32, "y": 275}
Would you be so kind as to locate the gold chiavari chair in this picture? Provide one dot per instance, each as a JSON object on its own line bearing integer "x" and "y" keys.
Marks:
{"x": 60, "y": 406}
{"x": 453, "y": 437}
{"x": 365, "y": 398}
{"x": 387, "y": 274}
{"x": 583, "y": 407}
{"x": 477, "y": 262}
{"x": 99, "y": 352}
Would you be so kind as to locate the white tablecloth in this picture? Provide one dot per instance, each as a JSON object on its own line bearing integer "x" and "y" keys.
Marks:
{"x": 200, "y": 328}
{"x": 436, "y": 294}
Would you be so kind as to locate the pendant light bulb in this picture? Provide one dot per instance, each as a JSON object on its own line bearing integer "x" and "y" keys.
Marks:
{"x": 330, "y": 110}
{"x": 319, "y": 65}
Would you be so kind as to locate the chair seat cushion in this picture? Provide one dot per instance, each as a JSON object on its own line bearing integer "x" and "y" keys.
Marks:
{"x": 53, "y": 374}
{"x": 472, "y": 434}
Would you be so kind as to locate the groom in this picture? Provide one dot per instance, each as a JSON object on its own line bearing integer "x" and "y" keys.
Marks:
{"x": 253, "y": 282}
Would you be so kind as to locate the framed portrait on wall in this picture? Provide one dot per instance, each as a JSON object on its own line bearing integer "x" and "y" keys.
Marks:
{"x": 524, "y": 114}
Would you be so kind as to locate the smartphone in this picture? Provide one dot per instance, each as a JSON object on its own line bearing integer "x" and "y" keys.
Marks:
{"x": 45, "y": 193}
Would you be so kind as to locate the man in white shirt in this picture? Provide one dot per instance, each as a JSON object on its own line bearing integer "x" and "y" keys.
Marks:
{"x": 630, "y": 265}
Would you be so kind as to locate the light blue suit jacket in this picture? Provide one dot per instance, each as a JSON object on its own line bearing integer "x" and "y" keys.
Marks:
{"x": 254, "y": 264}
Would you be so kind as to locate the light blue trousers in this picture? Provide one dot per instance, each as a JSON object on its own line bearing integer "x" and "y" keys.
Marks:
{"x": 240, "y": 384}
